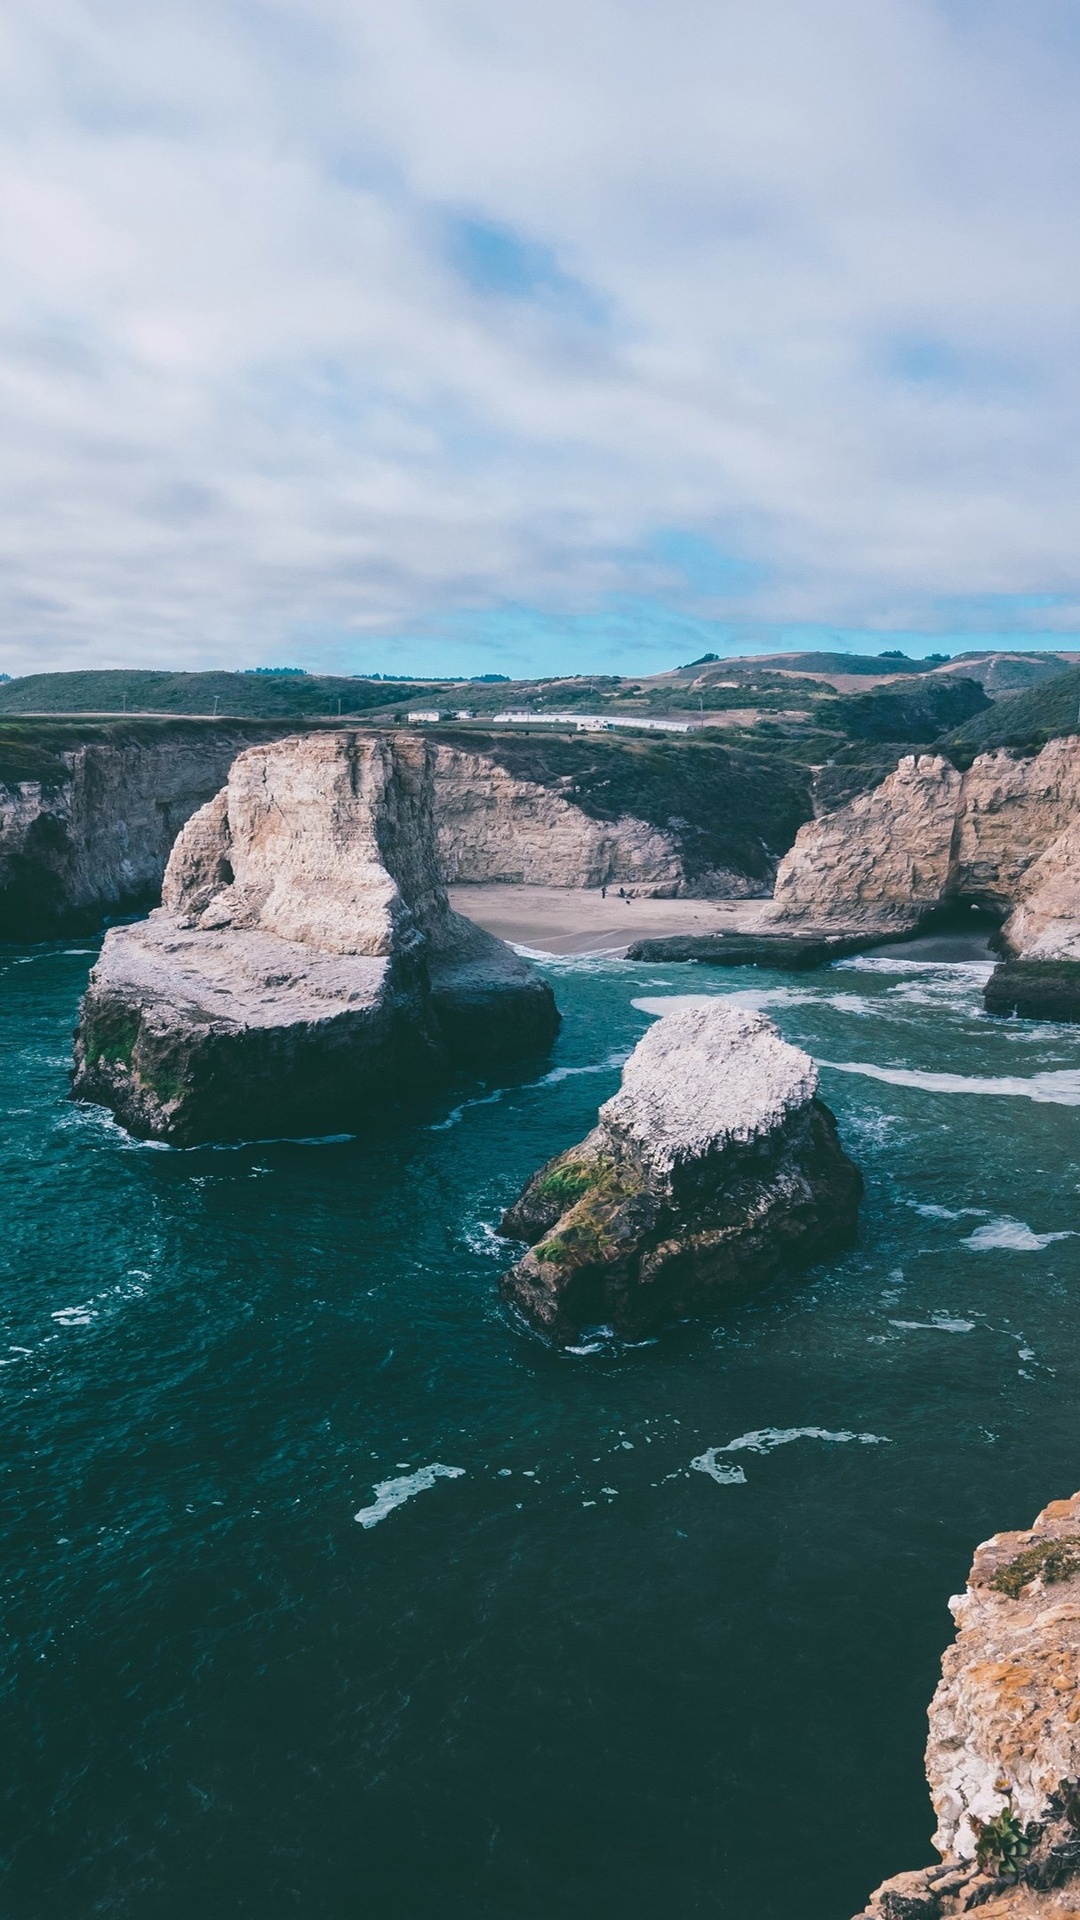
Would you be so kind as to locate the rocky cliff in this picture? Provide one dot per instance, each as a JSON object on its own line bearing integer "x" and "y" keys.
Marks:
{"x": 929, "y": 835}
{"x": 91, "y": 833}
{"x": 494, "y": 826}
{"x": 1003, "y": 1756}
{"x": 305, "y": 969}
{"x": 712, "y": 1167}
{"x": 86, "y": 824}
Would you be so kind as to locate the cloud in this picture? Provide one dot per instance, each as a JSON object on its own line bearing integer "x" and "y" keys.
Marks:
{"x": 443, "y": 331}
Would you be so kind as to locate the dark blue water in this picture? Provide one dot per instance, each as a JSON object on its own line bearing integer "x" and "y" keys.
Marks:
{"x": 582, "y": 1678}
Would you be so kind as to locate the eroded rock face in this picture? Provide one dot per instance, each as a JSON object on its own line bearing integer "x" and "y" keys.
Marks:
{"x": 305, "y": 968}
{"x": 713, "y": 1166}
{"x": 1003, "y": 1757}
{"x": 95, "y": 840}
{"x": 495, "y": 827}
{"x": 882, "y": 862}
{"x": 1003, "y": 836}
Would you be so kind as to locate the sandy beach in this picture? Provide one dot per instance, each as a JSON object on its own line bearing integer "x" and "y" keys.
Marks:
{"x": 562, "y": 920}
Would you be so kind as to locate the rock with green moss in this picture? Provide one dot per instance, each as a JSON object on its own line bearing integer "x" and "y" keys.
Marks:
{"x": 712, "y": 1169}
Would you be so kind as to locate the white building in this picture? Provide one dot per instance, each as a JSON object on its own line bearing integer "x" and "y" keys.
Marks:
{"x": 423, "y": 716}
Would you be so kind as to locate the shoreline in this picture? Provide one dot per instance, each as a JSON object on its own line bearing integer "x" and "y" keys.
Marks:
{"x": 565, "y": 920}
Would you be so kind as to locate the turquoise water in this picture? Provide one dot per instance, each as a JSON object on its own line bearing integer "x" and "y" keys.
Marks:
{"x": 581, "y": 1676}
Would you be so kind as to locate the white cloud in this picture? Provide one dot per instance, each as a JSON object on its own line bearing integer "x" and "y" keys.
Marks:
{"x": 321, "y": 323}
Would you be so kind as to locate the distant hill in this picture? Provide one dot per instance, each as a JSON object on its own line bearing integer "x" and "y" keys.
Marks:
{"x": 1025, "y": 721}
{"x": 261, "y": 696}
{"x": 917, "y": 713}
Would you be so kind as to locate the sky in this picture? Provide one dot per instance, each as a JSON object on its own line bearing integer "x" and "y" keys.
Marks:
{"x": 488, "y": 336}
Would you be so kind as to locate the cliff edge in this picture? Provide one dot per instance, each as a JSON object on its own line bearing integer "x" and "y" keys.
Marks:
{"x": 1003, "y": 1757}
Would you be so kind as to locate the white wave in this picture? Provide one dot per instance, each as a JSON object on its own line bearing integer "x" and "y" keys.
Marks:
{"x": 483, "y": 1238}
{"x": 617, "y": 1058}
{"x": 764, "y": 1439}
{"x": 394, "y": 1493}
{"x": 456, "y": 1113}
{"x": 1059, "y": 1089}
{"x": 936, "y": 1326}
{"x": 930, "y": 1212}
{"x": 867, "y": 963}
{"x": 724, "y": 1476}
{"x": 1011, "y": 1235}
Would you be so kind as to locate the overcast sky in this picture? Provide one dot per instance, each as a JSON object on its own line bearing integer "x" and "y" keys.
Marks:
{"x": 495, "y": 335}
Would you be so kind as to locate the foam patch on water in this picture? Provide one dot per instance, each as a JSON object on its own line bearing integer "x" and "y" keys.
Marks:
{"x": 974, "y": 970}
{"x": 1058, "y": 1089}
{"x": 931, "y": 1212}
{"x": 394, "y": 1493}
{"x": 764, "y": 1439}
{"x": 936, "y": 1326}
{"x": 724, "y": 1476}
{"x": 1012, "y": 1236}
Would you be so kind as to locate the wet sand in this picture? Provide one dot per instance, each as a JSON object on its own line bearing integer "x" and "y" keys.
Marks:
{"x": 563, "y": 920}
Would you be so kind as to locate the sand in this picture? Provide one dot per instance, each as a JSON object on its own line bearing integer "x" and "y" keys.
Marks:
{"x": 562, "y": 920}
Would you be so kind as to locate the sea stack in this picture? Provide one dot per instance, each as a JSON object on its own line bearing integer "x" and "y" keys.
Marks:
{"x": 713, "y": 1167}
{"x": 1003, "y": 1757}
{"x": 304, "y": 969}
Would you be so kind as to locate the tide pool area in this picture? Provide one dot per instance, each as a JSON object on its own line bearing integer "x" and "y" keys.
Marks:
{"x": 330, "y": 1591}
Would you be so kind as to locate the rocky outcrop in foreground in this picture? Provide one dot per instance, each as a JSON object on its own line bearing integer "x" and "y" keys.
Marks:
{"x": 305, "y": 969}
{"x": 1003, "y": 1757}
{"x": 714, "y": 1166}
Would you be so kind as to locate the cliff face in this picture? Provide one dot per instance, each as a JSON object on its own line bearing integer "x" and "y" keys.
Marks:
{"x": 1003, "y": 1757}
{"x": 95, "y": 840}
{"x": 928, "y": 835}
{"x": 494, "y": 826}
{"x": 713, "y": 1166}
{"x": 305, "y": 968}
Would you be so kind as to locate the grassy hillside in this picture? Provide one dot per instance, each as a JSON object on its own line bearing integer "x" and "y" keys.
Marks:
{"x": 1023, "y": 721}
{"x": 32, "y": 749}
{"x": 255, "y": 695}
{"x": 916, "y": 714}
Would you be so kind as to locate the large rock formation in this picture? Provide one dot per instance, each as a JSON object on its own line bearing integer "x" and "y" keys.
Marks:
{"x": 305, "y": 967}
{"x": 1003, "y": 1757}
{"x": 1005, "y": 836}
{"x": 90, "y": 834}
{"x": 880, "y": 863}
{"x": 713, "y": 1166}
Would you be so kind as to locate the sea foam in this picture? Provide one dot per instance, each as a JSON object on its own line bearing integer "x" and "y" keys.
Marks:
{"x": 394, "y": 1493}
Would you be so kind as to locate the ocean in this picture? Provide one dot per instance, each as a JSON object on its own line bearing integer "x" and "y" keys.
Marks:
{"x": 330, "y": 1591}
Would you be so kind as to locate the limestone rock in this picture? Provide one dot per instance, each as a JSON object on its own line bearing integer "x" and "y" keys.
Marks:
{"x": 879, "y": 863}
{"x": 94, "y": 838}
{"x": 1002, "y": 836}
{"x": 305, "y": 967}
{"x": 712, "y": 1167}
{"x": 494, "y": 826}
{"x": 1004, "y": 1746}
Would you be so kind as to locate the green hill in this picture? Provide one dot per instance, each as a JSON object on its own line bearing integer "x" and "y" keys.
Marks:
{"x": 1023, "y": 721}
{"x": 257, "y": 696}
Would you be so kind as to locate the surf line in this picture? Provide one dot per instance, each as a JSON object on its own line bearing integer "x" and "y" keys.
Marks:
{"x": 1059, "y": 1089}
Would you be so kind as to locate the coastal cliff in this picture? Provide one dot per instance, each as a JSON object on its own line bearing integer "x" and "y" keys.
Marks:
{"x": 89, "y": 812}
{"x": 1003, "y": 1756}
{"x": 713, "y": 1166}
{"x": 495, "y": 826}
{"x": 928, "y": 836}
{"x": 90, "y": 832}
{"x": 305, "y": 966}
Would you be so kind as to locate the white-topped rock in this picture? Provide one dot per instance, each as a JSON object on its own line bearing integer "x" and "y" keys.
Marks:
{"x": 713, "y": 1167}
{"x": 701, "y": 1079}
